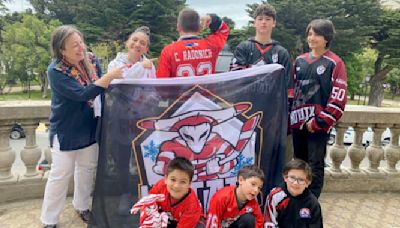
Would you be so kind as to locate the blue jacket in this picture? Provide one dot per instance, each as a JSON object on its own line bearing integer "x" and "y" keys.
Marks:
{"x": 71, "y": 118}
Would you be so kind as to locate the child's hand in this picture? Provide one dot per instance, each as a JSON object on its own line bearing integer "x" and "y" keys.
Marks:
{"x": 147, "y": 63}
{"x": 205, "y": 21}
{"x": 309, "y": 126}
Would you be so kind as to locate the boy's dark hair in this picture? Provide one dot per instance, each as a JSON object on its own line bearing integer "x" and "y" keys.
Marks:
{"x": 265, "y": 10}
{"x": 251, "y": 171}
{"x": 324, "y": 28}
{"x": 182, "y": 164}
{"x": 298, "y": 164}
{"x": 189, "y": 20}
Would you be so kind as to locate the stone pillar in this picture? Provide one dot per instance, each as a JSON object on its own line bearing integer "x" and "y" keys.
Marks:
{"x": 375, "y": 151}
{"x": 356, "y": 150}
{"x": 337, "y": 152}
{"x": 392, "y": 151}
{"x": 7, "y": 155}
{"x": 31, "y": 153}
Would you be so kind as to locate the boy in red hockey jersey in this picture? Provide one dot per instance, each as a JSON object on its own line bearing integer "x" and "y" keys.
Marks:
{"x": 293, "y": 204}
{"x": 234, "y": 206}
{"x": 190, "y": 55}
{"x": 181, "y": 202}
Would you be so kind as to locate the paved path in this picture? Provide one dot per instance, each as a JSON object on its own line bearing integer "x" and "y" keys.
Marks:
{"x": 340, "y": 210}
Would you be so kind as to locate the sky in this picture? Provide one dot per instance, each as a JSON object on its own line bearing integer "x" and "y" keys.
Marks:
{"x": 234, "y": 9}
{"x": 17, "y": 5}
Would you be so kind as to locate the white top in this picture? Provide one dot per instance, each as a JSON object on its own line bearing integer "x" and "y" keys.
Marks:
{"x": 135, "y": 71}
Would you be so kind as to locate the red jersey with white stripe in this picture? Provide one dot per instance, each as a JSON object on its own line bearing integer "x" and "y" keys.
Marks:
{"x": 216, "y": 146}
{"x": 185, "y": 212}
{"x": 192, "y": 56}
{"x": 320, "y": 91}
{"x": 223, "y": 209}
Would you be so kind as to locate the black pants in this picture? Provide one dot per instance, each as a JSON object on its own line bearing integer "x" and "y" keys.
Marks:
{"x": 311, "y": 147}
{"x": 200, "y": 224}
{"x": 245, "y": 221}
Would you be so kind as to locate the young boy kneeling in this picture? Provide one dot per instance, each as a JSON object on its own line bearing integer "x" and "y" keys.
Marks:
{"x": 233, "y": 206}
{"x": 181, "y": 203}
{"x": 293, "y": 205}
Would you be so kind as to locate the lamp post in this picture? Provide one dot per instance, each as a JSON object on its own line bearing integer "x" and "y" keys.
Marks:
{"x": 29, "y": 73}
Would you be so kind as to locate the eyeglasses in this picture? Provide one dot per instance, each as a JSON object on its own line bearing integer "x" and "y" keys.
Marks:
{"x": 293, "y": 179}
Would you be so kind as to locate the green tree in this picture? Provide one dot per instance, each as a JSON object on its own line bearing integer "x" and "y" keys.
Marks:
{"x": 3, "y": 8}
{"x": 62, "y": 10}
{"x": 105, "y": 52}
{"x": 359, "y": 24}
{"x": 161, "y": 17}
{"x": 114, "y": 20}
{"x": 386, "y": 42}
{"x": 238, "y": 35}
{"x": 353, "y": 19}
{"x": 230, "y": 22}
{"x": 393, "y": 80}
{"x": 25, "y": 49}
{"x": 354, "y": 68}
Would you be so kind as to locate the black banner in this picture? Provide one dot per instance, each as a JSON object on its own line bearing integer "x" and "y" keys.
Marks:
{"x": 220, "y": 122}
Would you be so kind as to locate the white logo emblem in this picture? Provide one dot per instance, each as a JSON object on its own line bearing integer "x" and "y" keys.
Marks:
{"x": 321, "y": 69}
{"x": 305, "y": 213}
{"x": 275, "y": 58}
{"x": 259, "y": 63}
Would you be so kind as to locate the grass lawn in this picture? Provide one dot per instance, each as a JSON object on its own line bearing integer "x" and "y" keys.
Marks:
{"x": 34, "y": 95}
{"x": 388, "y": 96}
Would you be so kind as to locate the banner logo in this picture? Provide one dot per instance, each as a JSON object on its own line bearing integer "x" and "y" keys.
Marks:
{"x": 218, "y": 137}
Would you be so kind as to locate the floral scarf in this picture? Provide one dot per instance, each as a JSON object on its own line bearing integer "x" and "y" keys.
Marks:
{"x": 82, "y": 77}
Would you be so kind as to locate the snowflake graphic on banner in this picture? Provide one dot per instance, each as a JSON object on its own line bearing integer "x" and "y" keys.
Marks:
{"x": 151, "y": 150}
{"x": 242, "y": 161}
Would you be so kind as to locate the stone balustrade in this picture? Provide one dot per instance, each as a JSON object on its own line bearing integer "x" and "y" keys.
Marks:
{"x": 338, "y": 177}
{"x": 30, "y": 184}
{"x": 374, "y": 176}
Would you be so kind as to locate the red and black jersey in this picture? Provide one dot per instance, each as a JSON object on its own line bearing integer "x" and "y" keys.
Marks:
{"x": 185, "y": 212}
{"x": 193, "y": 56}
{"x": 320, "y": 91}
{"x": 223, "y": 209}
{"x": 286, "y": 211}
{"x": 251, "y": 53}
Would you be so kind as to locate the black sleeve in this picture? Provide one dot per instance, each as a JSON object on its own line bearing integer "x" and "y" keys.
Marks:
{"x": 287, "y": 63}
{"x": 240, "y": 57}
{"x": 215, "y": 22}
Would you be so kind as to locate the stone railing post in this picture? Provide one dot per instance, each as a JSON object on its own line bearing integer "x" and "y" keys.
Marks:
{"x": 337, "y": 152}
{"x": 392, "y": 151}
{"x": 356, "y": 150}
{"x": 375, "y": 151}
{"x": 7, "y": 155}
{"x": 31, "y": 153}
